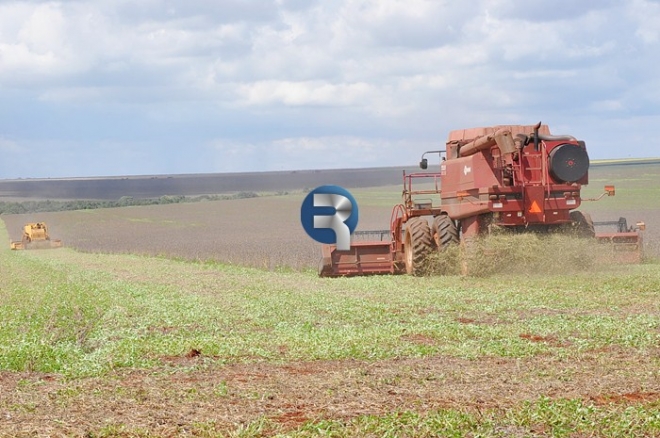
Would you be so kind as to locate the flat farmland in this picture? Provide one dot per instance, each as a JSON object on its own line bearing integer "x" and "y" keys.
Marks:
{"x": 260, "y": 232}
{"x": 265, "y": 232}
{"x": 208, "y": 319}
{"x": 153, "y": 186}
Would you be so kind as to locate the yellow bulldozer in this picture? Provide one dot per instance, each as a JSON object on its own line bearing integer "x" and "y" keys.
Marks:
{"x": 35, "y": 236}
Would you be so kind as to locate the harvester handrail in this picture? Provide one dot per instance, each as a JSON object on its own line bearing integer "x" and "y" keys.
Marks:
{"x": 408, "y": 192}
{"x": 398, "y": 215}
{"x": 424, "y": 192}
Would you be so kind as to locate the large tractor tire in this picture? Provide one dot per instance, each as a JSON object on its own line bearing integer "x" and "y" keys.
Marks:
{"x": 584, "y": 225}
{"x": 417, "y": 245}
{"x": 445, "y": 232}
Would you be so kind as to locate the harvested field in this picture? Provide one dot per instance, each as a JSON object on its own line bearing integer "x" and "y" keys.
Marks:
{"x": 260, "y": 232}
{"x": 265, "y": 232}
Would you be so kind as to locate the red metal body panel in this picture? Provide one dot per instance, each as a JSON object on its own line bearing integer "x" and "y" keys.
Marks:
{"x": 467, "y": 174}
{"x": 465, "y": 186}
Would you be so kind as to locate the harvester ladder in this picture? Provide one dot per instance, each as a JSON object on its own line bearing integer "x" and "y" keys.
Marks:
{"x": 538, "y": 169}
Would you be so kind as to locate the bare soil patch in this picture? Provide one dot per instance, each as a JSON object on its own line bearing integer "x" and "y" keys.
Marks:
{"x": 628, "y": 398}
{"x": 170, "y": 400}
{"x": 547, "y": 339}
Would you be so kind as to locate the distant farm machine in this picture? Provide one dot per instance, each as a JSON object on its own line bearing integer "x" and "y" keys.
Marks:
{"x": 35, "y": 236}
{"x": 518, "y": 178}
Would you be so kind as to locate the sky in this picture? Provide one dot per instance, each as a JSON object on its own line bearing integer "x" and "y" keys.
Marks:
{"x": 118, "y": 87}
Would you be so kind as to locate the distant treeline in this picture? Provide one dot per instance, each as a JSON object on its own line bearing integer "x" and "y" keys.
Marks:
{"x": 124, "y": 201}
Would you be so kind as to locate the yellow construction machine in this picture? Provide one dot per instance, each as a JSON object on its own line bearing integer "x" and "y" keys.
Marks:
{"x": 35, "y": 236}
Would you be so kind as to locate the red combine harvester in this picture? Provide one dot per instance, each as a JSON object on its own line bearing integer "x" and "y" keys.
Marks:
{"x": 520, "y": 178}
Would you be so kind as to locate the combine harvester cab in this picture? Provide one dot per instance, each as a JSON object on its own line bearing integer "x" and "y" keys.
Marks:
{"x": 519, "y": 178}
{"x": 35, "y": 236}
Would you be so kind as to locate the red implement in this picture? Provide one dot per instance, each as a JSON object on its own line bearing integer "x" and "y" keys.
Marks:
{"x": 364, "y": 258}
{"x": 625, "y": 245}
{"x": 519, "y": 178}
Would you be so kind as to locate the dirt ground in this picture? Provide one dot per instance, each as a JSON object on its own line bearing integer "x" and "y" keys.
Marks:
{"x": 170, "y": 402}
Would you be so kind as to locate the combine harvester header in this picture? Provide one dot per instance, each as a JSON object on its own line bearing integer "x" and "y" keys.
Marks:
{"x": 519, "y": 178}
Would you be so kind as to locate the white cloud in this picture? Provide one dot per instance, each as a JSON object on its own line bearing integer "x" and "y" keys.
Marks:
{"x": 75, "y": 94}
{"x": 9, "y": 146}
{"x": 34, "y": 41}
{"x": 607, "y": 105}
{"x": 346, "y": 152}
{"x": 288, "y": 75}
{"x": 306, "y": 144}
{"x": 646, "y": 14}
{"x": 304, "y": 93}
{"x": 327, "y": 152}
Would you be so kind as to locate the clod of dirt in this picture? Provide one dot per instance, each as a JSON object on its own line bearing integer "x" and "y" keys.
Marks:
{"x": 628, "y": 398}
{"x": 466, "y": 320}
{"x": 292, "y": 419}
{"x": 193, "y": 353}
{"x": 537, "y": 338}
{"x": 550, "y": 339}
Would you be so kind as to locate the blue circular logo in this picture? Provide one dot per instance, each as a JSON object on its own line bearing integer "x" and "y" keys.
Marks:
{"x": 329, "y": 214}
